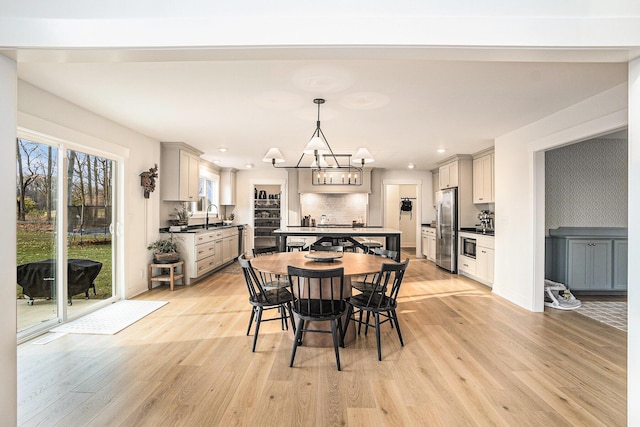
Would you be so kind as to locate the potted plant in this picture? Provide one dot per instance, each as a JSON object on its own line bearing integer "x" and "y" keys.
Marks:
{"x": 165, "y": 251}
{"x": 182, "y": 215}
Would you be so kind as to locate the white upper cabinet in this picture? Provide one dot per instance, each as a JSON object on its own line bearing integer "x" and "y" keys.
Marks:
{"x": 483, "y": 187}
{"x": 228, "y": 186}
{"x": 448, "y": 175}
{"x": 179, "y": 172}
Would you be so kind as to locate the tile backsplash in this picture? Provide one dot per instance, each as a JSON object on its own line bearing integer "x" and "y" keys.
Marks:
{"x": 340, "y": 208}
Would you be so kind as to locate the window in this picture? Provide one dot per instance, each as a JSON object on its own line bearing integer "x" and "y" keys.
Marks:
{"x": 208, "y": 193}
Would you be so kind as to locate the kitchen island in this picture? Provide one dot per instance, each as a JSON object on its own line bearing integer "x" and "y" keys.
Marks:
{"x": 392, "y": 236}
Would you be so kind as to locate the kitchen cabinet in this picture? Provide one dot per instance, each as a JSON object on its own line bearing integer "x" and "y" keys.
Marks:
{"x": 429, "y": 243}
{"x": 179, "y": 172}
{"x": 448, "y": 175}
{"x": 206, "y": 251}
{"x": 620, "y": 264}
{"x": 483, "y": 183}
{"x": 230, "y": 245}
{"x": 228, "y": 186}
{"x": 457, "y": 171}
{"x": 589, "y": 259}
{"x": 466, "y": 265}
{"x": 480, "y": 268}
{"x": 266, "y": 214}
{"x": 485, "y": 259}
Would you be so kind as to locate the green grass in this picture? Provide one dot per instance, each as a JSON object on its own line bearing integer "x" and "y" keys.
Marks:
{"x": 35, "y": 245}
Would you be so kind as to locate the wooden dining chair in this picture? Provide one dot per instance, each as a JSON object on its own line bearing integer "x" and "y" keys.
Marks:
{"x": 262, "y": 299}
{"x": 381, "y": 302}
{"x": 366, "y": 283}
{"x": 270, "y": 281}
{"x": 318, "y": 297}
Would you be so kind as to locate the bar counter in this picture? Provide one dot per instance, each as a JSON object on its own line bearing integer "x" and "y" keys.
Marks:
{"x": 392, "y": 236}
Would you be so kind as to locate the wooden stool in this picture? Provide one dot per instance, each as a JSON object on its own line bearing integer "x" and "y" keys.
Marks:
{"x": 171, "y": 276}
{"x": 295, "y": 246}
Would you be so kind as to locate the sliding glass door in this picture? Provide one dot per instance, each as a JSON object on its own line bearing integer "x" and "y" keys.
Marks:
{"x": 65, "y": 212}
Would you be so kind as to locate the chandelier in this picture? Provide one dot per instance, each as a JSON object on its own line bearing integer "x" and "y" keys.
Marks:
{"x": 327, "y": 167}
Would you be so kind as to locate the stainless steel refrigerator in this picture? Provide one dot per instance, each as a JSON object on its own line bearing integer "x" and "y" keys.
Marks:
{"x": 447, "y": 229}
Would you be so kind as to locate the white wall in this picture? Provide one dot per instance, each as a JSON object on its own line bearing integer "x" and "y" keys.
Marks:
{"x": 45, "y": 113}
{"x": 8, "y": 340}
{"x": 519, "y": 241}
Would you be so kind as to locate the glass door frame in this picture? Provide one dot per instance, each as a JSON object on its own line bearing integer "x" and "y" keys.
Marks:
{"x": 117, "y": 244}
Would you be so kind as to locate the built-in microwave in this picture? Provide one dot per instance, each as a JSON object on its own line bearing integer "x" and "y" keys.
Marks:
{"x": 468, "y": 247}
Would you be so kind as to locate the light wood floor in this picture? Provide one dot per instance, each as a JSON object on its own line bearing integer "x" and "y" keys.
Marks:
{"x": 470, "y": 358}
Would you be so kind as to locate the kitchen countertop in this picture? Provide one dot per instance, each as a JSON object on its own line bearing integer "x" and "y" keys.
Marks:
{"x": 358, "y": 231}
{"x": 200, "y": 228}
{"x": 477, "y": 231}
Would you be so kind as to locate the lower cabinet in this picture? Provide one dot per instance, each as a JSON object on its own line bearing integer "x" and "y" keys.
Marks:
{"x": 484, "y": 264}
{"x": 207, "y": 251}
{"x": 481, "y": 267}
{"x": 429, "y": 243}
{"x": 589, "y": 259}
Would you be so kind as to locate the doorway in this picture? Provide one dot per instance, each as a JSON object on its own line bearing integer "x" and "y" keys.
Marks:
{"x": 402, "y": 212}
{"x": 65, "y": 241}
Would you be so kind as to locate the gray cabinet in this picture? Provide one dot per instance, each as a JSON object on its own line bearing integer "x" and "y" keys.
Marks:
{"x": 589, "y": 259}
{"x": 589, "y": 264}
{"x": 620, "y": 264}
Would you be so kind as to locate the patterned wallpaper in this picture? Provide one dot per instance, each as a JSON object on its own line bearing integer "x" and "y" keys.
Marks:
{"x": 586, "y": 184}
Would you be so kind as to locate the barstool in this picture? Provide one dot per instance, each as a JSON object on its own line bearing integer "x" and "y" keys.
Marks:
{"x": 348, "y": 246}
{"x": 371, "y": 245}
{"x": 295, "y": 246}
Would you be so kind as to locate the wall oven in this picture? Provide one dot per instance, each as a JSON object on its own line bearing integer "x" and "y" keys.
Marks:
{"x": 468, "y": 247}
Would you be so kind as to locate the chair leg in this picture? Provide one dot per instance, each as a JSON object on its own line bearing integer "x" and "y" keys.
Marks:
{"x": 341, "y": 332}
{"x": 377, "y": 318}
{"x": 334, "y": 334}
{"x": 296, "y": 339}
{"x": 391, "y": 319}
{"x": 346, "y": 326}
{"x": 293, "y": 324}
{"x": 360, "y": 322}
{"x": 366, "y": 326}
{"x": 395, "y": 318}
{"x": 253, "y": 312}
{"x": 258, "y": 320}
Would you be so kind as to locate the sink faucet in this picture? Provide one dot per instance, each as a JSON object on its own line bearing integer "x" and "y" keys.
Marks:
{"x": 206, "y": 219}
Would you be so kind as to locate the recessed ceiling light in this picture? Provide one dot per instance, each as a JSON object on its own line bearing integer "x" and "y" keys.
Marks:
{"x": 217, "y": 162}
{"x": 441, "y": 150}
{"x": 249, "y": 165}
{"x": 222, "y": 149}
{"x": 411, "y": 166}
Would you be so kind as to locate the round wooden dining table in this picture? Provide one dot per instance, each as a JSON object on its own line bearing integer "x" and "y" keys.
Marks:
{"x": 354, "y": 264}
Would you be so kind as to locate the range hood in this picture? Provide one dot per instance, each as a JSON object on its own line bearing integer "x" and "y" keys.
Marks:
{"x": 305, "y": 184}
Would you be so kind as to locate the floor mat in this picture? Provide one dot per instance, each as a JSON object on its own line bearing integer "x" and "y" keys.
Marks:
{"x": 112, "y": 319}
{"x": 613, "y": 313}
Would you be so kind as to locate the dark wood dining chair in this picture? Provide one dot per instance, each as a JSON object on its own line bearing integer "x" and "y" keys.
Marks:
{"x": 270, "y": 281}
{"x": 318, "y": 297}
{"x": 366, "y": 283}
{"x": 381, "y": 302}
{"x": 262, "y": 299}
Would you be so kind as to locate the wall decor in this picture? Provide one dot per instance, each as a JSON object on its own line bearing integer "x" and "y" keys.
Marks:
{"x": 148, "y": 180}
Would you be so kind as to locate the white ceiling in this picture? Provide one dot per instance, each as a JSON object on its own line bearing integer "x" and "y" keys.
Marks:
{"x": 401, "y": 105}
